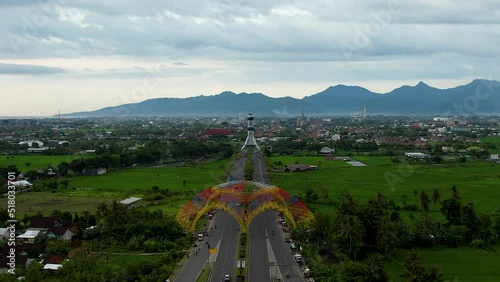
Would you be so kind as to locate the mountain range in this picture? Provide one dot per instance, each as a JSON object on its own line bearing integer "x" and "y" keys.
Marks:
{"x": 480, "y": 97}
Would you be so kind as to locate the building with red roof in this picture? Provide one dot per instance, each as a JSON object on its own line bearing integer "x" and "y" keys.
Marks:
{"x": 218, "y": 132}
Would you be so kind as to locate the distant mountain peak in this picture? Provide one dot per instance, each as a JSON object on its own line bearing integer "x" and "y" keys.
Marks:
{"x": 421, "y": 84}
{"x": 341, "y": 99}
{"x": 227, "y": 93}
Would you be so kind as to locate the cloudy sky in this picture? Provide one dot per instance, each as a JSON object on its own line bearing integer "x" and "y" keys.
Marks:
{"x": 78, "y": 55}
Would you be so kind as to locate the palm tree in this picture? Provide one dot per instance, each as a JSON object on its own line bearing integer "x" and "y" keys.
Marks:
{"x": 102, "y": 210}
{"x": 347, "y": 204}
{"x": 374, "y": 269}
{"x": 434, "y": 274}
{"x": 424, "y": 200}
{"x": 413, "y": 267}
{"x": 380, "y": 200}
{"x": 454, "y": 193}
{"x": 436, "y": 196}
{"x": 352, "y": 229}
{"x": 387, "y": 238}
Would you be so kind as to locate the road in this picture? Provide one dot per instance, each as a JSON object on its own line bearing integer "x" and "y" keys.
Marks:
{"x": 261, "y": 265}
{"x": 194, "y": 265}
{"x": 224, "y": 239}
{"x": 270, "y": 256}
{"x": 226, "y": 233}
{"x": 259, "y": 168}
{"x": 225, "y": 262}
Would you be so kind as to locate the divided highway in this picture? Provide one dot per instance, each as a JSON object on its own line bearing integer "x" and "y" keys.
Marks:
{"x": 269, "y": 263}
{"x": 269, "y": 255}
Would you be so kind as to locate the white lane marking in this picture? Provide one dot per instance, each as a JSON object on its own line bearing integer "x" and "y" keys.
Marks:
{"x": 273, "y": 263}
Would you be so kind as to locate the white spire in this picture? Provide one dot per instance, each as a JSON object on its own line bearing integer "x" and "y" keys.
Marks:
{"x": 250, "y": 142}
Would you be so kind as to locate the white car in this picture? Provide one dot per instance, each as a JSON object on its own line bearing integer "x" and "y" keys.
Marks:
{"x": 227, "y": 277}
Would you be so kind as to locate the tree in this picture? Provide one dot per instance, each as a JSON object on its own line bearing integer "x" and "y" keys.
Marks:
{"x": 78, "y": 165}
{"x": 311, "y": 195}
{"x": 102, "y": 210}
{"x": 380, "y": 200}
{"x": 58, "y": 247}
{"x": 450, "y": 208}
{"x": 31, "y": 175}
{"x": 387, "y": 238}
{"x": 324, "y": 195}
{"x": 469, "y": 219}
{"x": 424, "y": 200}
{"x": 424, "y": 229}
{"x": 374, "y": 269}
{"x": 497, "y": 226}
{"x": 413, "y": 268}
{"x": 348, "y": 205}
{"x": 404, "y": 198}
{"x": 115, "y": 160}
{"x": 451, "y": 235}
{"x": 34, "y": 273}
{"x": 454, "y": 193}
{"x": 437, "y": 159}
{"x": 352, "y": 229}
{"x": 436, "y": 196}
{"x": 323, "y": 226}
{"x": 486, "y": 231}
{"x": 433, "y": 274}
{"x": 63, "y": 168}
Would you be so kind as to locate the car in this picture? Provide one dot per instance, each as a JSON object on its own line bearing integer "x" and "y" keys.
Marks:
{"x": 227, "y": 277}
{"x": 288, "y": 240}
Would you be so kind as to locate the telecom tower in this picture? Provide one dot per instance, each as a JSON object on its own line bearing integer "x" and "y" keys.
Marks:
{"x": 303, "y": 117}
{"x": 250, "y": 142}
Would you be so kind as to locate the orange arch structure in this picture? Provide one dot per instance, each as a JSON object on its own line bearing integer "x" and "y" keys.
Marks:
{"x": 244, "y": 200}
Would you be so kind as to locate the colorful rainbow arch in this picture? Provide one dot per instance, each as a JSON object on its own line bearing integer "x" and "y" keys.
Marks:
{"x": 254, "y": 197}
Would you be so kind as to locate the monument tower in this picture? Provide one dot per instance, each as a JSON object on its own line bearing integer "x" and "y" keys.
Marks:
{"x": 250, "y": 142}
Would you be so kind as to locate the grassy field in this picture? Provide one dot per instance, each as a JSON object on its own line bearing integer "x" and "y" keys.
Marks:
{"x": 492, "y": 140}
{"x": 36, "y": 161}
{"x": 44, "y": 202}
{"x": 85, "y": 192}
{"x": 462, "y": 264}
{"x": 196, "y": 178}
{"x": 477, "y": 182}
{"x": 171, "y": 205}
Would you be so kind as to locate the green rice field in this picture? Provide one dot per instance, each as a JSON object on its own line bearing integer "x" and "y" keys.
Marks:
{"x": 477, "y": 182}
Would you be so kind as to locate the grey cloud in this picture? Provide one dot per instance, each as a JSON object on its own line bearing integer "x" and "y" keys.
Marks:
{"x": 5, "y": 3}
{"x": 14, "y": 69}
{"x": 262, "y": 30}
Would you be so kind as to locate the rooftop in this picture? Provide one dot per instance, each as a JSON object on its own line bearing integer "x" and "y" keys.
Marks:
{"x": 130, "y": 200}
